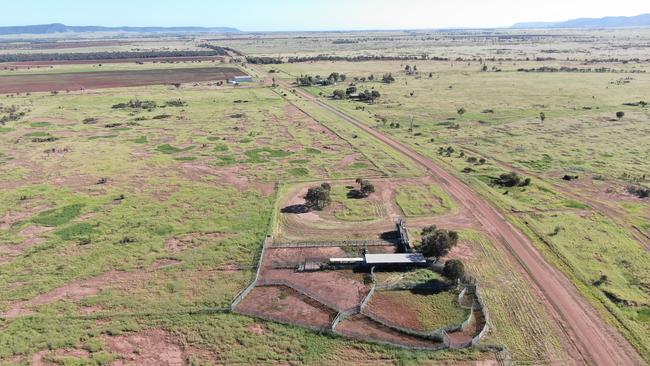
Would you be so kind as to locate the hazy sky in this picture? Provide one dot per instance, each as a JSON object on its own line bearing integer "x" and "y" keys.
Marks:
{"x": 258, "y": 15}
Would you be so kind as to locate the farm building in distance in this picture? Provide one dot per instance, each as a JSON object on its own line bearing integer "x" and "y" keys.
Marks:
{"x": 241, "y": 79}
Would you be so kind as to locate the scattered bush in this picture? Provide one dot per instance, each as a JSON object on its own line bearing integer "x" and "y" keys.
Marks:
{"x": 639, "y": 191}
{"x": 511, "y": 179}
{"x": 136, "y": 104}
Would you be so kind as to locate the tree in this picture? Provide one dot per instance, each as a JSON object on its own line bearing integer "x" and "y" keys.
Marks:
{"x": 339, "y": 94}
{"x": 461, "y": 111}
{"x": 620, "y": 115}
{"x": 511, "y": 180}
{"x": 542, "y": 116}
{"x": 366, "y": 187}
{"x": 407, "y": 68}
{"x": 342, "y": 77}
{"x": 388, "y": 78}
{"x": 453, "y": 269}
{"x": 374, "y": 95}
{"x": 319, "y": 197}
{"x": 437, "y": 242}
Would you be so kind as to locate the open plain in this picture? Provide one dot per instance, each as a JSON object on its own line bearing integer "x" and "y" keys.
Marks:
{"x": 140, "y": 200}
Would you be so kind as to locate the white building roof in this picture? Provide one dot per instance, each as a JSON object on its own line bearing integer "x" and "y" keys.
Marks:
{"x": 345, "y": 260}
{"x": 395, "y": 258}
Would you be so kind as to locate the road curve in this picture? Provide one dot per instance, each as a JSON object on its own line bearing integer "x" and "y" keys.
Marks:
{"x": 596, "y": 341}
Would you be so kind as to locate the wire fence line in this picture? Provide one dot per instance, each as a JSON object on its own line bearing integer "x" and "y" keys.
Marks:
{"x": 332, "y": 243}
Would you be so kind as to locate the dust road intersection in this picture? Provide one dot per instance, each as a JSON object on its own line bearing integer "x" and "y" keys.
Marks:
{"x": 592, "y": 340}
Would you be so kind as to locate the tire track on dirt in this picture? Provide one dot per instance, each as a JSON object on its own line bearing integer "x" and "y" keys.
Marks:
{"x": 595, "y": 341}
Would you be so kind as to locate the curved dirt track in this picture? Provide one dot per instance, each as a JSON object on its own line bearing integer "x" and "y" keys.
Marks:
{"x": 595, "y": 341}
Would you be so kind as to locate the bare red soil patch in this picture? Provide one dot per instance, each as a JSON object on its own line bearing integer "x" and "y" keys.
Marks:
{"x": 38, "y": 359}
{"x": 394, "y": 311}
{"x": 286, "y": 305}
{"x": 111, "y": 79}
{"x": 339, "y": 290}
{"x": 154, "y": 347}
{"x": 78, "y": 290}
{"x": 257, "y": 329}
{"x": 231, "y": 175}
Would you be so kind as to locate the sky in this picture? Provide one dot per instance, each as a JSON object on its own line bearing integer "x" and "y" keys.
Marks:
{"x": 295, "y": 15}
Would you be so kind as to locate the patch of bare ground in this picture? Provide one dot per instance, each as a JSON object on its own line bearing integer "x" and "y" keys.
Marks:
{"x": 230, "y": 175}
{"x": 257, "y": 329}
{"x": 461, "y": 251}
{"x": 293, "y": 256}
{"x": 28, "y": 210}
{"x": 52, "y": 358}
{"x": 339, "y": 290}
{"x": 193, "y": 240}
{"x": 155, "y": 347}
{"x": 362, "y": 327}
{"x": 55, "y": 120}
{"x": 79, "y": 290}
{"x": 353, "y": 356}
{"x": 393, "y": 310}
{"x": 79, "y": 183}
{"x": 32, "y": 236}
{"x": 286, "y": 305}
{"x": 295, "y": 114}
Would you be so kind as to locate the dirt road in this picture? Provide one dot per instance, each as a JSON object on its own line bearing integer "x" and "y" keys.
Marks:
{"x": 595, "y": 341}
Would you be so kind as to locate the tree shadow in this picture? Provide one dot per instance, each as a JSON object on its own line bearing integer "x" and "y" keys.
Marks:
{"x": 355, "y": 194}
{"x": 390, "y": 236}
{"x": 296, "y": 209}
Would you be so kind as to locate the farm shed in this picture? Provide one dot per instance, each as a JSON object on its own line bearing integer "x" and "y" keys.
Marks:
{"x": 242, "y": 79}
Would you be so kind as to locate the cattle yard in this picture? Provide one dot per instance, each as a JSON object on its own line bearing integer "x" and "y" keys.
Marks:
{"x": 340, "y": 285}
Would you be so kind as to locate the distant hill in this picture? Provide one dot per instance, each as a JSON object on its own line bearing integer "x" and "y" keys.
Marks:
{"x": 62, "y": 28}
{"x": 642, "y": 20}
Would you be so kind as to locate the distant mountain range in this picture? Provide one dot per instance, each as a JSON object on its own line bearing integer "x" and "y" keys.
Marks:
{"x": 62, "y": 28}
{"x": 642, "y": 20}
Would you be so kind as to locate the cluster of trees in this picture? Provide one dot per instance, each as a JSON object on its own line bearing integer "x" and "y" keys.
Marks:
{"x": 12, "y": 114}
{"x": 308, "y": 80}
{"x": 578, "y": 69}
{"x": 319, "y": 197}
{"x": 116, "y": 55}
{"x": 136, "y": 104}
{"x": 223, "y": 51}
{"x": 362, "y": 58}
{"x": 366, "y": 95}
{"x": 511, "y": 179}
{"x": 387, "y": 78}
{"x": 437, "y": 242}
{"x": 446, "y": 151}
{"x": 411, "y": 70}
{"x": 263, "y": 60}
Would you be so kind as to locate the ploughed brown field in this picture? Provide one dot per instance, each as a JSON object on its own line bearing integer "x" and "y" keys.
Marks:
{"x": 112, "y": 79}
